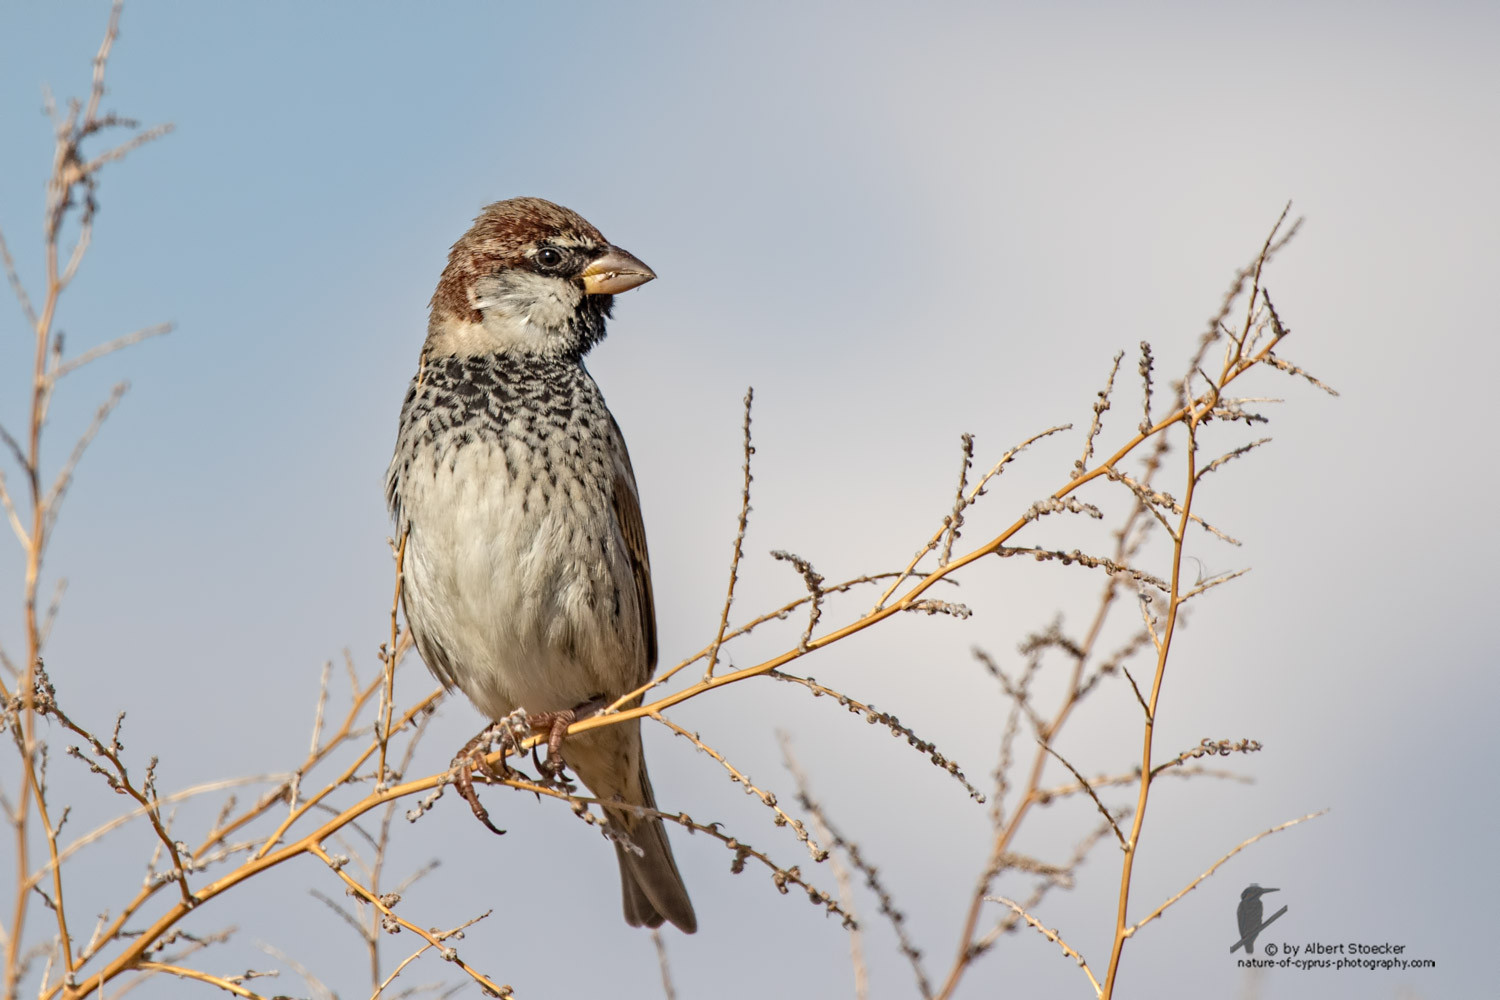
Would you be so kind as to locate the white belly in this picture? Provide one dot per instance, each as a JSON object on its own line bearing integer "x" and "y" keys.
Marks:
{"x": 521, "y": 585}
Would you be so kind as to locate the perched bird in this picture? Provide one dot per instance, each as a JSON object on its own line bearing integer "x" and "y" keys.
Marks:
{"x": 1249, "y": 915}
{"x": 527, "y": 583}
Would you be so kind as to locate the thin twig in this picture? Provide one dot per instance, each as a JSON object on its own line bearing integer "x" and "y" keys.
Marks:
{"x": 54, "y": 498}
{"x": 1145, "y": 371}
{"x": 1215, "y": 867}
{"x": 16, "y": 285}
{"x": 95, "y": 353}
{"x": 227, "y": 985}
{"x": 1053, "y": 877}
{"x": 874, "y": 716}
{"x": 1101, "y": 406}
{"x": 436, "y": 940}
{"x": 956, "y": 519}
{"x": 1103, "y": 811}
{"x": 667, "y": 989}
{"x": 768, "y": 799}
{"x": 739, "y": 543}
{"x": 814, "y": 583}
{"x": 1054, "y": 937}
{"x": 884, "y": 900}
{"x": 1230, "y": 456}
{"x": 388, "y": 656}
{"x": 974, "y": 494}
{"x": 1213, "y": 582}
{"x": 846, "y": 899}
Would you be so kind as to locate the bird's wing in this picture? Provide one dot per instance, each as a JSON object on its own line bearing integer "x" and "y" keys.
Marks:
{"x": 627, "y": 510}
{"x": 1249, "y": 915}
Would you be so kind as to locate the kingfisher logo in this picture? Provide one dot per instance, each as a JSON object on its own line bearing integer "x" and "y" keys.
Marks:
{"x": 1249, "y": 915}
{"x": 1279, "y": 953}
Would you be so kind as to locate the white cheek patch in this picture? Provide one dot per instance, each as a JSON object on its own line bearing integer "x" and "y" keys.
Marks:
{"x": 524, "y": 310}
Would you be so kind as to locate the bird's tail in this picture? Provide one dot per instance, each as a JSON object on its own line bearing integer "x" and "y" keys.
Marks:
{"x": 649, "y": 881}
{"x": 610, "y": 762}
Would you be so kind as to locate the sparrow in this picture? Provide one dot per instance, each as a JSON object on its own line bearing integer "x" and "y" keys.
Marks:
{"x": 526, "y": 579}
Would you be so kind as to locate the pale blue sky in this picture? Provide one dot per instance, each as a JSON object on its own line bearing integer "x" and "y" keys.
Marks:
{"x": 899, "y": 223}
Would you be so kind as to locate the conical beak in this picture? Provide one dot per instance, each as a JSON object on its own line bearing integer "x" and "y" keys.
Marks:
{"x": 615, "y": 272}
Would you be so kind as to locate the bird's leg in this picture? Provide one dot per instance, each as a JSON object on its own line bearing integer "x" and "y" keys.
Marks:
{"x": 556, "y": 724}
{"x": 474, "y": 757}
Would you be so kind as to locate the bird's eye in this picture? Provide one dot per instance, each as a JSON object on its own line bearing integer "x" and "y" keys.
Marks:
{"x": 549, "y": 257}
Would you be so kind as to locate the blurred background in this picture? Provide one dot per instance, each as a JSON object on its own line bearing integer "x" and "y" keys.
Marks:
{"x": 898, "y": 224}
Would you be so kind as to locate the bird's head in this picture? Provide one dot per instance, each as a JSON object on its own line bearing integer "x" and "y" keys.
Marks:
{"x": 1253, "y": 891}
{"x": 529, "y": 277}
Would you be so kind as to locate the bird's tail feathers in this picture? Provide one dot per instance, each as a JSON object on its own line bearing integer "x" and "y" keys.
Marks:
{"x": 650, "y": 883}
{"x": 611, "y": 763}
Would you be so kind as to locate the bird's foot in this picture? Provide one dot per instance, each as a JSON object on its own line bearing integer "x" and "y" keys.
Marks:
{"x": 474, "y": 757}
{"x": 556, "y": 725}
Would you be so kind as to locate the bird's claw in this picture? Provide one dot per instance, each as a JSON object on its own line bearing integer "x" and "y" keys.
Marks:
{"x": 473, "y": 757}
{"x": 556, "y": 724}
